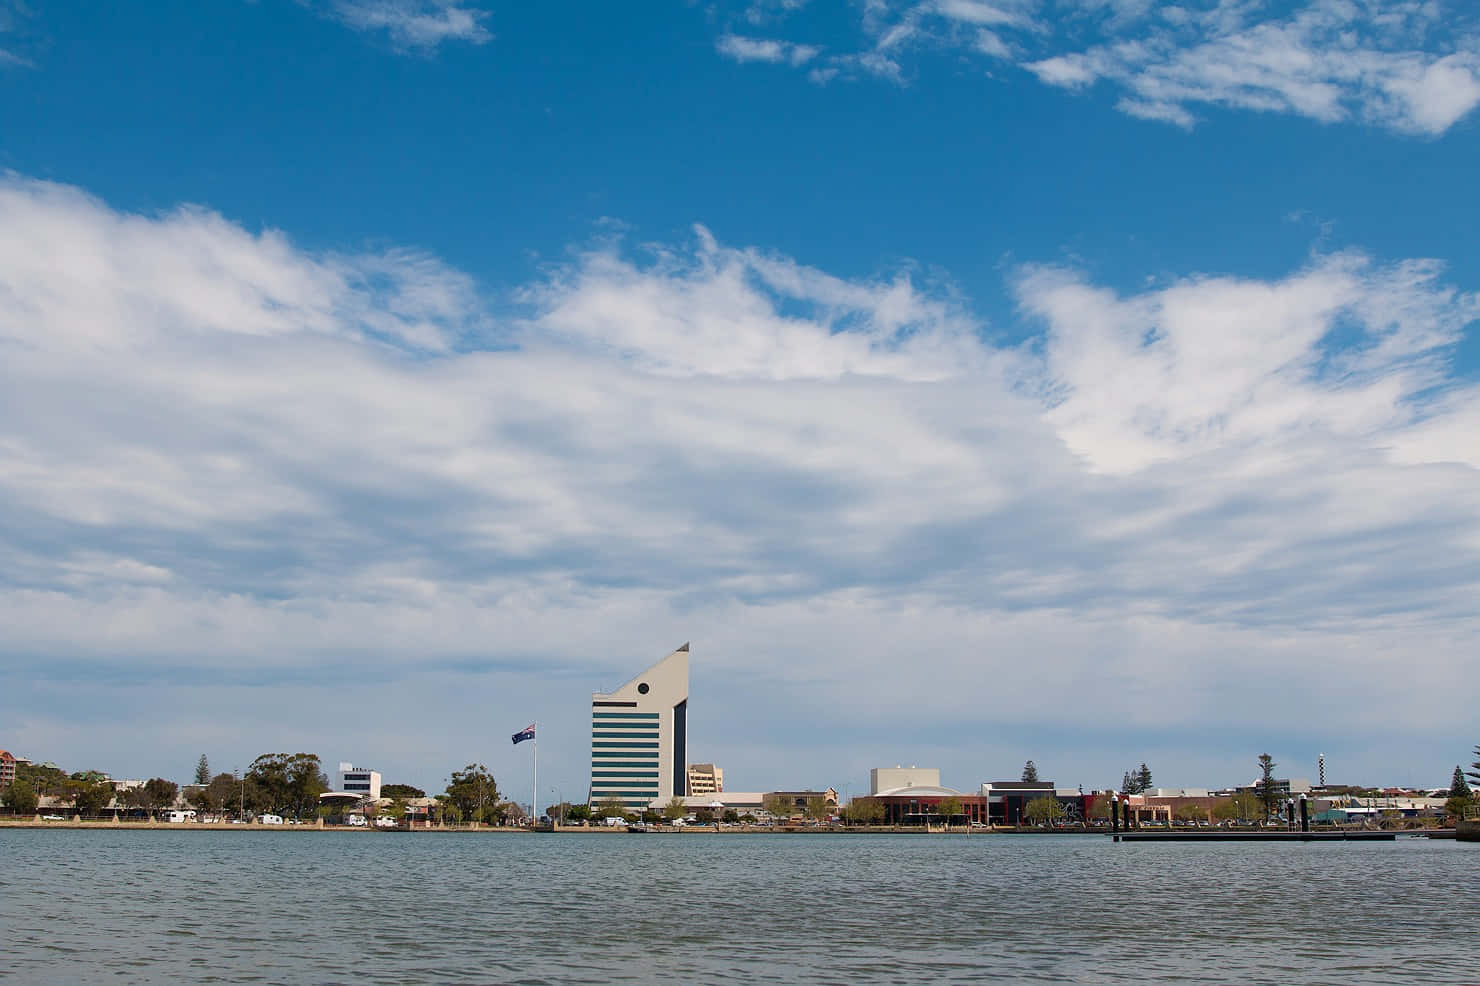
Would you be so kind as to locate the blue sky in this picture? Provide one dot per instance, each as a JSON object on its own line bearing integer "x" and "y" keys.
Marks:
{"x": 1090, "y": 381}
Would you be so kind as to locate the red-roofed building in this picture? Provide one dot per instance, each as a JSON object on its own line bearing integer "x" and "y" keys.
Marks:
{"x": 7, "y": 768}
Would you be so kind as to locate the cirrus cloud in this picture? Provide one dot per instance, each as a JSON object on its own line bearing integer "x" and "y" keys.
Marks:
{"x": 416, "y": 25}
{"x": 1410, "y": 67}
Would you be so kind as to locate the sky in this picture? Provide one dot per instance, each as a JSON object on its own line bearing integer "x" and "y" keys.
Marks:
{"x": 1094, "y": 382}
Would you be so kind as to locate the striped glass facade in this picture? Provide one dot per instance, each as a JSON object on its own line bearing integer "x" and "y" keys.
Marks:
{"x": 624, "y": 756}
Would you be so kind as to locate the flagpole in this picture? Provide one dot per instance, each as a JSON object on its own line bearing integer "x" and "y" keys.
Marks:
{"x": 534, "y": 776}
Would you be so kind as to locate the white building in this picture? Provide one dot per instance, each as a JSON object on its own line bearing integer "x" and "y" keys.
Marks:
{"x": 639, "y": 736}
{"x": 882, "y": 779}
{"x": 359, "y": 780}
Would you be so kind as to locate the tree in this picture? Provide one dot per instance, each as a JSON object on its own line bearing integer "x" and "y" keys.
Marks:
{"x": 612, "y": 806}
{"x": 1240, "y": 807}
{"x": 864, "y": 811}
{"x": 817, "y": 807}
{"x": 1127, "y": 783}
{"x": 1269, "y": 793}
{"x": 475, "y": 793}
{"x": 951, "y": 808}
{"x": 202, "y": 771}
{"x": 1457, "y": 787}
{"x": 287, "y": 783}
{"x": 21, "y": 796}
{"x": 1143, "y": 779}
{"x": 224, "y": 791}
{"x": 1460, "y": 807}
{"x": 1188, "y": 812}
{"x": 160, "y": 792}
{"x": 1030, "y": 773}
{"x": 1043, "y": 810}
{"x": 401, "y": 791}
{"x": 89, "y": 794}
{"x": 779, "y": 806}
{"x": 577, "y": 813}
{"x": 675, "y": 809}
{"x": 45, "y": 778}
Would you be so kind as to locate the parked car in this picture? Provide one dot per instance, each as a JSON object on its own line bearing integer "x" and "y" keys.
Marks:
{"x": 52, "y": 818}
{"x": 356, "y": 820}
{"x": 385, "y": 822}
{"x": 270, "y": 819}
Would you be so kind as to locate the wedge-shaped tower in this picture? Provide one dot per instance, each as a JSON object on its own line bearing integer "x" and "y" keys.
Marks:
{"x": 640, "y": 738}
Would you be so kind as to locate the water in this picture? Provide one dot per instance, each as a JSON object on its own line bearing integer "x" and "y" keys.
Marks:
{"x": 279, "y": 907}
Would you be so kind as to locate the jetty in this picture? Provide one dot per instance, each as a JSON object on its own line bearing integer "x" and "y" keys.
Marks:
{"x": 1173, "y": 835}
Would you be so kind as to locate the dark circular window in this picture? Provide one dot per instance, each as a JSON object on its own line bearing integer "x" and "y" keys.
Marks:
{"x": 642, "y": 689}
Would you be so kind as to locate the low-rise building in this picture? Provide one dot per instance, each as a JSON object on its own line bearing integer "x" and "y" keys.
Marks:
{"x": 801, "y": 800}
{"x": 918, "y": 804}
{"x": 741, "y": 802}
{"x": 359, "y": 780}
{"x": 1009, "y": 800}
{"x": 1286, "y": 787}
{"x": 7, "y": 768}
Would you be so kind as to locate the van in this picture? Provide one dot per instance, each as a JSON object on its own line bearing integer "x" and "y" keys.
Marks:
{"x": 270, "y": 819}
{"x": 176, "y": 817}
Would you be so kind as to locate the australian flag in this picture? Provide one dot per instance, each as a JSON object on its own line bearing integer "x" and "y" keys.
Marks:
{"x": 526, "y": 733}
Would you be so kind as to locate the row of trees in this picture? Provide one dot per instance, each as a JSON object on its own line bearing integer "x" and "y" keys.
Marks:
{"x": 87, "y": 792}
{"x": 287, "y": 784}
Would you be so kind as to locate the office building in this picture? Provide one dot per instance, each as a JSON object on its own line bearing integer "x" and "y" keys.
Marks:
{"x": 639, "y": 736}
{"x": 705, "y": 778}
{"x": 358, "y": 780}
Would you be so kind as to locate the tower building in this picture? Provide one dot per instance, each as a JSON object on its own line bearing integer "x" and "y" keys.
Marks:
{"x": 639, "y": 736}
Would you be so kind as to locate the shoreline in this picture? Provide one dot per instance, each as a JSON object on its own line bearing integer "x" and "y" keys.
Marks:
{"x": 710, "y": 830}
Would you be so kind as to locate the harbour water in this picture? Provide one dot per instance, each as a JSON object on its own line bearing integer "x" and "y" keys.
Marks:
{"x": 278, "y": 907}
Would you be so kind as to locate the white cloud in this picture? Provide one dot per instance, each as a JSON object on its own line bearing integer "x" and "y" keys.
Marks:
{"x": 979, "y": 12}
{"x": 416, "y": 24}
{"x": 742, "y": 49}
{"x": 1220, "y": 363}
{"x": 1411, "y": 67}
{"x": 220, "y": 451}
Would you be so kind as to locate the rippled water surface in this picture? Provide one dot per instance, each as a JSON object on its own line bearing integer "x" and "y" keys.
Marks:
{"x": 280, "y": 907}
